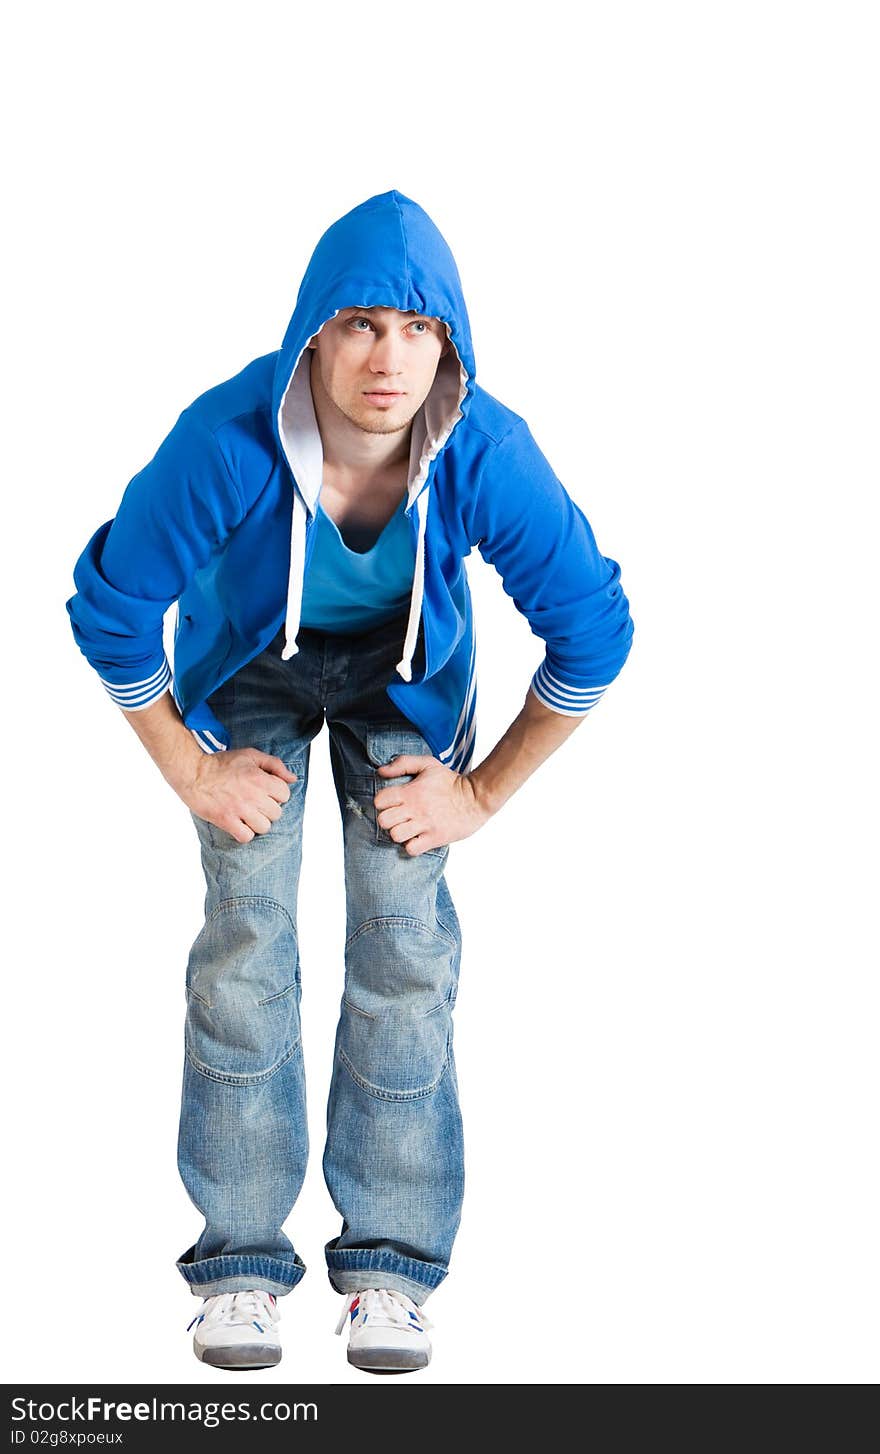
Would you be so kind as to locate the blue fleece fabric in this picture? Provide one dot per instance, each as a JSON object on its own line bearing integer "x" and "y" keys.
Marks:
{"x": 223, "y": 518}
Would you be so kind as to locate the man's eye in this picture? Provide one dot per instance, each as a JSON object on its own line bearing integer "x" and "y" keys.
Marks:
{"x": 416, "y": 323}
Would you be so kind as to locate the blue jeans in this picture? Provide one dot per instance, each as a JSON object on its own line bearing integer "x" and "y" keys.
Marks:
{"x": 393, "y": 1159}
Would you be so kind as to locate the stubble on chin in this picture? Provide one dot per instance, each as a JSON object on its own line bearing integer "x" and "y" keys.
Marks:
{"x": 374, "y": 422}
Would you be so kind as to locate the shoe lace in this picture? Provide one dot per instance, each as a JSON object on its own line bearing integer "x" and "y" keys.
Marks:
{"x": 254, "y": 1306}
{"x": 385, "y": 1306}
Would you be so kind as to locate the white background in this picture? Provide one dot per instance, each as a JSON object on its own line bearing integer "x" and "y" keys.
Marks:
{"x": 665, "y": 221}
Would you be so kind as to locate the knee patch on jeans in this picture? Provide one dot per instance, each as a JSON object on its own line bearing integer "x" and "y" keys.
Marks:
{"x": 399, "y": 989}
{"x": 242, "y": 985}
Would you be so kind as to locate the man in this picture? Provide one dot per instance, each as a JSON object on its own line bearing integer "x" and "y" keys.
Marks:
{"x": 311, "y": 517}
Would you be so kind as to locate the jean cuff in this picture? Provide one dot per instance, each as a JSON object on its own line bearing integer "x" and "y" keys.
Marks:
{"x": 238, "y": 1272}
{"x": 351, "y": 1269}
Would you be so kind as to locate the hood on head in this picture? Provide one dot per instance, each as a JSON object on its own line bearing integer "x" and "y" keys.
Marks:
{"x": 384, "y": 253}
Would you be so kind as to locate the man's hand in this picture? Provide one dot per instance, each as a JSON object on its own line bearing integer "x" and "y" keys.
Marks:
{"x": 240, "y": 790}
{"x": 439, "y": 806}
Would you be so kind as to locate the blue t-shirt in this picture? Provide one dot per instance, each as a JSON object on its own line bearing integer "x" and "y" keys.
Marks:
{"x": 353, "y": 590}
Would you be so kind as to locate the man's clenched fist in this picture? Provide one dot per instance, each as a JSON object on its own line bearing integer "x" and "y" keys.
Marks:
{"x": 241, "y": 791}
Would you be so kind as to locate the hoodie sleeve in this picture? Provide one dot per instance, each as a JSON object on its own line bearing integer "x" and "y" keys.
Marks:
{"x": 172, "y": 515}
{"x": 526, "y": 525}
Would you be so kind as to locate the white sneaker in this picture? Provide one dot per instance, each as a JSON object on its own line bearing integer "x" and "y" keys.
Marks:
{"x": 386, "y": 1331}
{"x": 237, "y": 1330}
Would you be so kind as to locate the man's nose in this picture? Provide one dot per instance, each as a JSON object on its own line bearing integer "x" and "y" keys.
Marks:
{"x": 386, "y": 357}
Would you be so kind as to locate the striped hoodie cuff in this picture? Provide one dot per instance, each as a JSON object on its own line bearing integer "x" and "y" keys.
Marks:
{"x": 135, "y": 696}
{"x": 560, "y": 697}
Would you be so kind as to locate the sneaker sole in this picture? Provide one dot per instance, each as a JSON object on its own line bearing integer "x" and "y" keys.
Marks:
{"x": 387, "y": 1360}
{"x": 240, "y": 1359}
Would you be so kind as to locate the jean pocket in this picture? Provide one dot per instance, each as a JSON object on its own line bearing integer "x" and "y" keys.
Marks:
{"x": 384, "y": 742}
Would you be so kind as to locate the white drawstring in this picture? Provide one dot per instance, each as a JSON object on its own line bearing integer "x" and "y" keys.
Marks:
{"x": 295, "y": 576}
{"x": 404, "y": 666}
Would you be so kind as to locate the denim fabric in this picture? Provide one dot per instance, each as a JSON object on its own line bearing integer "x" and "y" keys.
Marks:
{"x": 393, "y": 1157}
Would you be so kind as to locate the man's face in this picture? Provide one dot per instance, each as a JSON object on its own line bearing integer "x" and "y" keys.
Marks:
{"x": 363, "y": 351}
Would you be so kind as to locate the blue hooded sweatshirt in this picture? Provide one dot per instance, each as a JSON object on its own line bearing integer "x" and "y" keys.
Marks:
{"x": 221, "y": 520}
